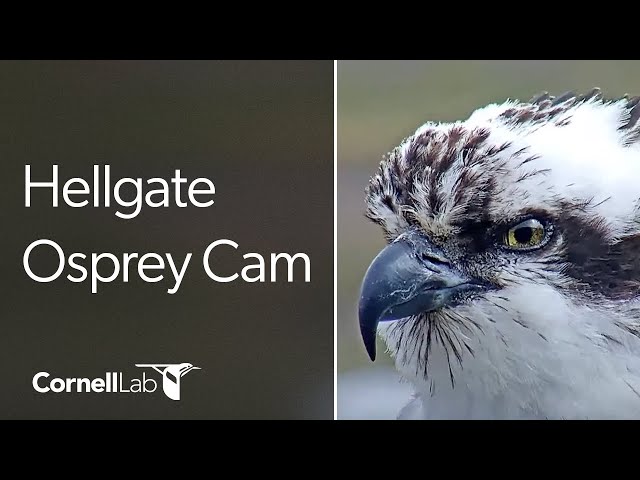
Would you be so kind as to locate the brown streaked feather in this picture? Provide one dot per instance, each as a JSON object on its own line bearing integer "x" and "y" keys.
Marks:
{"x": 545, "y": 107}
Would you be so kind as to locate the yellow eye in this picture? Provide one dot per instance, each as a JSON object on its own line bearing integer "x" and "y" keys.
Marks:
{"x": 526, "y": 235}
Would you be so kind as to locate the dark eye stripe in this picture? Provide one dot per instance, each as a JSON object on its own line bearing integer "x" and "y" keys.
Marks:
{"x": 608, "y": 269}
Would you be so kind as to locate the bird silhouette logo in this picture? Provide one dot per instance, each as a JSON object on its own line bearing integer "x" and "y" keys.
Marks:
{"x": 171, "y": 375}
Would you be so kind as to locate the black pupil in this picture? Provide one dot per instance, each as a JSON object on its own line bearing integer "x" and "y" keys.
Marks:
{"x": 523, "y": 234}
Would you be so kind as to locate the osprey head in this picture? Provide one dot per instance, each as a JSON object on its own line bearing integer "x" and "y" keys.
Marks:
{"x": 505, "y": 233}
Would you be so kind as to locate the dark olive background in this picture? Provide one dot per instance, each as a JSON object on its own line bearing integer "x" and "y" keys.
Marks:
{"x": 262, "y": 131}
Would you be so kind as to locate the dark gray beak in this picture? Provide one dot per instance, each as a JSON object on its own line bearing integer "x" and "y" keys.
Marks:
{"x": 408, "y": 277}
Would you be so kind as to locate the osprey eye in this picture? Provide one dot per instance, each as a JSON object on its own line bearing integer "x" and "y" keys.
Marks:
{"x": 526, "y": 235}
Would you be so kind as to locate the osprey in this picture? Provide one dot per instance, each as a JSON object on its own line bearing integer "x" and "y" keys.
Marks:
{"x": 509, "y": 286}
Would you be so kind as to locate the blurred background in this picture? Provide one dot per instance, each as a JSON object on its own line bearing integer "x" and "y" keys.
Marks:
{"x": 379, "y": 104}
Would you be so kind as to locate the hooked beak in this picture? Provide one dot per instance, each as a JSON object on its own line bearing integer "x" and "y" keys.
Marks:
{"x": 408, "y": 277}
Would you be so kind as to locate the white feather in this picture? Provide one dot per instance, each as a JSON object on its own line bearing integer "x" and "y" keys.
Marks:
{"x": 572, "y": 359}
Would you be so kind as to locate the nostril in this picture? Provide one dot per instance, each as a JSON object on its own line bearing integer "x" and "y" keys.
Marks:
{"x": 435, "y": 259}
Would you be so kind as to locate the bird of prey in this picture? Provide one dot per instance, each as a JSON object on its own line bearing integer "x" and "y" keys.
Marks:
{"x": 509, "y": 285}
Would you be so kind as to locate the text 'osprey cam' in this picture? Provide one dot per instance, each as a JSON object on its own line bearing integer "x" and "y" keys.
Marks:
{"x": 509, "y": 285}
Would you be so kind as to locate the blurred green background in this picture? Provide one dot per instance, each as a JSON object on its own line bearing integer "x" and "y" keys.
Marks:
{"x": 382, "y": 102}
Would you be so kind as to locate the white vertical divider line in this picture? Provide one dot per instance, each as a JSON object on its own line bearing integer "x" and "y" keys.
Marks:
{"x": 335, "y": 239}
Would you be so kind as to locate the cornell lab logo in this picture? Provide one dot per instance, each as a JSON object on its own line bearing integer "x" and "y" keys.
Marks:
{"x": 171, "y": 375}
{"x": 114, "y": 382}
